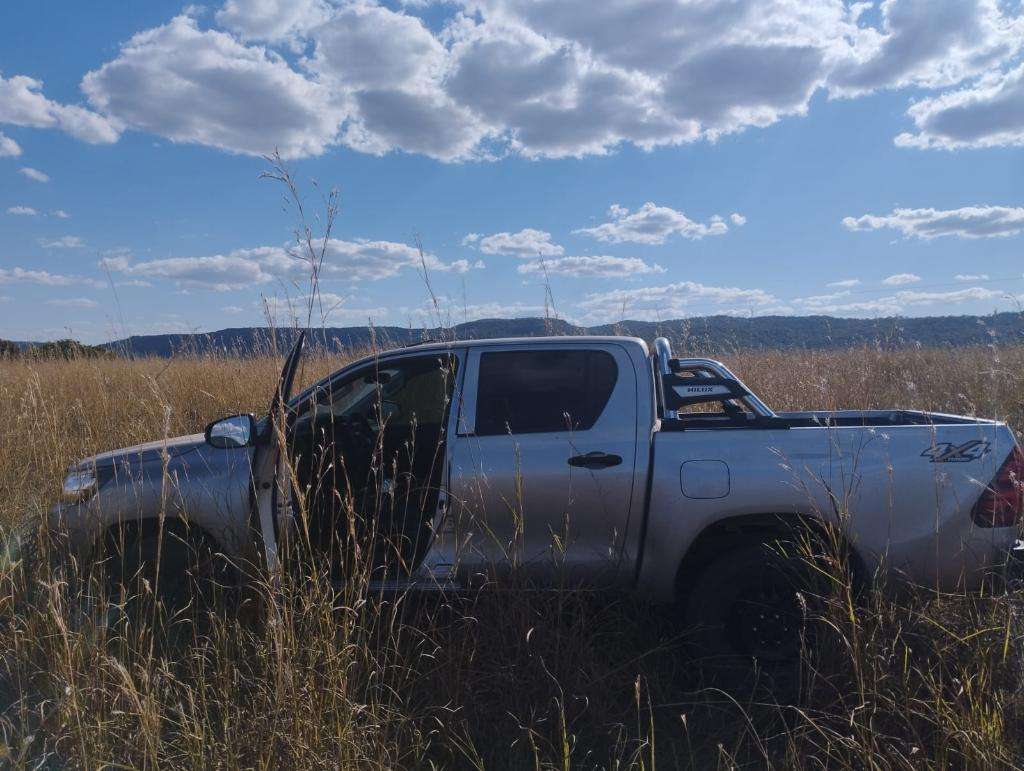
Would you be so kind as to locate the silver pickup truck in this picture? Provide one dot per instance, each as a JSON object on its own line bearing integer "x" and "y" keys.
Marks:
{"x": 567, "y": 461}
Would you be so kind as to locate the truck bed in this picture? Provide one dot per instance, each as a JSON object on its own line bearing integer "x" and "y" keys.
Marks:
{"x": 819, "y": 419}
{"x": 901, "y": 483}
{"x": 876, "y": 418}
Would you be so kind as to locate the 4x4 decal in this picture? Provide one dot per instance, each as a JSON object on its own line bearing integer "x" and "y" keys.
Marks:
{"x": 945, "y": 452}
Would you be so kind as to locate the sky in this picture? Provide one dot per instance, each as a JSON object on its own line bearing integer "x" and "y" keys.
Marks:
{"x": 629, "y": 159}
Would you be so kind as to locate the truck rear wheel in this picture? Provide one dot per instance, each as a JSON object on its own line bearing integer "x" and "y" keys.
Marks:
{"x": 749, "y": 604}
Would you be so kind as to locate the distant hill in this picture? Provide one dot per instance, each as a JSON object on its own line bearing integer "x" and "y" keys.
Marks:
{"x": 705, "y": 334}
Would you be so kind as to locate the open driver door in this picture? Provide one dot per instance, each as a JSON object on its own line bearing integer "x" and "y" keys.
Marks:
{"x": 272, "y": 482}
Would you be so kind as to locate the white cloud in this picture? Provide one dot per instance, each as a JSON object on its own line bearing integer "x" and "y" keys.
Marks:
{"x": 359, "y": 260}
{"x": 988, "y": 114}
{"x": 327, "y": 307}
{"x": 591, "y": 266}
{"x": 971, "y": 277}
{"x": 669, "y": 301}
{"x": 899, "y": 279}
{"x": 547, "y": 96}
{"x": 365, "y": 47}
{"x": 389, "y": 68}
{"x": 501, "y": 310}
{"x": 240, "y": 269}
{"x": 464, "y": 266}
{"x": 272, "y": 19}
{"x": 205, "y": 87}
{"x": 952, "y": 297}
{"x": 233, "y": 309}
{"x": 738, "y": 219}
{"x": 736, "y": 85}
{"x": 840, "y": 303}
{"x": 456, "y": 312}
{"x": 928, "y": 43}
{"x": 488, "y": 78}
{"x": 27, "y": 211}
{"x": 822, "y": 299}
{"x": 372, "y": 260}
{"x": 60, "y": 214}
{"x": 576, "y": 77}
{"x": 64, "y": 242}
{"x": 44, "y": 278}
{"x": 823, "y": 305}
{"x": 74, "y": 302}
{"x": 966, "y": 222}
{"x": 34, "y": 174}
{"x": 525, "y": 243}
{"x": 844, "y": 283}
{"x": 8, "y": 147}
{"x": 651, "y": 224}
{"x": 23, "y": 104}
{"x": 428, "y": 123}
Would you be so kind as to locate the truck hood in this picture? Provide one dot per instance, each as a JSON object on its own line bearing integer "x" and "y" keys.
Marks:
{"x": 150, "y": 452}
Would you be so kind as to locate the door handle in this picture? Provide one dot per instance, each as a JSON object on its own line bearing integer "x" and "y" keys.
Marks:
{"x": 595, "y": 460}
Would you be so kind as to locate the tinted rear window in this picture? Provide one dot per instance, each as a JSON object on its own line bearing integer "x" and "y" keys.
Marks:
{"x": 523, "y": 392}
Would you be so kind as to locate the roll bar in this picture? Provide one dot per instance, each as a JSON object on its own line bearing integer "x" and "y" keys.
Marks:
{"x": 663, "y": 366}
{"x": 666, "y": 365}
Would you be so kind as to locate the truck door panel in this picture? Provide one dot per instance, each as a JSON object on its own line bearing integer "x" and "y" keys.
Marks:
{"x": 542, "y": 470}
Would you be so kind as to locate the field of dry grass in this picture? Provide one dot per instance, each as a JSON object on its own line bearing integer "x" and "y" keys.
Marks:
{"x": 504, "y": 680}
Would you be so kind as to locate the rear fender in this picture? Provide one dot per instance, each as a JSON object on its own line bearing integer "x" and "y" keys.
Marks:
{"x": 734, "y": 532}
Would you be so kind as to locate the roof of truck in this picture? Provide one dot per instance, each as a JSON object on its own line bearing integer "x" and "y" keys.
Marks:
{"x": 441, "y": 345}
{"x": 561, "y": 339}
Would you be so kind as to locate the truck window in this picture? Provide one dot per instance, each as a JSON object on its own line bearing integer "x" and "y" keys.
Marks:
{"x": 525, "y": 392}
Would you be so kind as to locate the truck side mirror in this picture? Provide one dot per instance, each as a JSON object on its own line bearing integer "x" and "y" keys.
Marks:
{"x": 232, "y": 432}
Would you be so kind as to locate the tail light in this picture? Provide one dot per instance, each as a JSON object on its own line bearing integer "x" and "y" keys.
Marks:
{"x": 1002, "y": 503}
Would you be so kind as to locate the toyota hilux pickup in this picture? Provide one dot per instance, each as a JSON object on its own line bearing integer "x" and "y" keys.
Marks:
{"x": 565, "y": 460}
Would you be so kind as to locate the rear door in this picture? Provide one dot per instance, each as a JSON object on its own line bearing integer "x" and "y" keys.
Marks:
{"x": 542, "y": 467}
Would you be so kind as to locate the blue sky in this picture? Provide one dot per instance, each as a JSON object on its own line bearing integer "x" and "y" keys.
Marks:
{"x": 655, "y": 158}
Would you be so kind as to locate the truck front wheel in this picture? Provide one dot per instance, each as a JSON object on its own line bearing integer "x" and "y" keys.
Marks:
{"x": 165, "y": 578}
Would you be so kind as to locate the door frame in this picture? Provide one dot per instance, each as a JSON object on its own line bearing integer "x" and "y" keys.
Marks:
{"x": 266, "y": 461}
{"x": 272, "y": 498}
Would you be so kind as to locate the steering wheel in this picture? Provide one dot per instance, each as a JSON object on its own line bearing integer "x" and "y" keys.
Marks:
{"x": 360, "y": 427}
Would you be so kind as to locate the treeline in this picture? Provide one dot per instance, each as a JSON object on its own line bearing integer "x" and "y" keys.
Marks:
{"x": 57, "y": 349}
{"x": 716, "y": 335}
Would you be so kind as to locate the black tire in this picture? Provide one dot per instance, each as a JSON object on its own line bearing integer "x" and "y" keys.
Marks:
{"x": 750, "y": 605}
{"x": 166, "y": 578}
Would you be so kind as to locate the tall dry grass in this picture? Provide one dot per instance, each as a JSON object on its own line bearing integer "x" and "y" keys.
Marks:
{"x": 506, "y": 679}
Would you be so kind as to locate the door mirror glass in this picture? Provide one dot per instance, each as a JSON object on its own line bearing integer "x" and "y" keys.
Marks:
{"x": 235, "y": 431}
